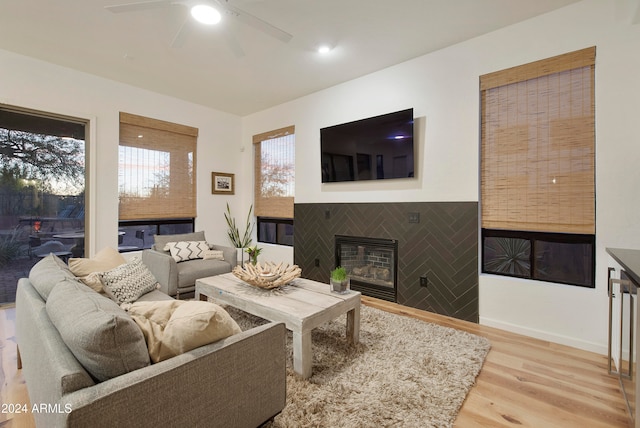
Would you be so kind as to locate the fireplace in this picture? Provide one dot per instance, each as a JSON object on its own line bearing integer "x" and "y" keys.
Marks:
{"x": 371, "y": 263}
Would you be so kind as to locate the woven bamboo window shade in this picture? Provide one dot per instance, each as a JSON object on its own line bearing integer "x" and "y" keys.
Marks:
{"x": 538, "y": 146}
{"x": 274, "y": 173}
{"x": 157, "y": 169}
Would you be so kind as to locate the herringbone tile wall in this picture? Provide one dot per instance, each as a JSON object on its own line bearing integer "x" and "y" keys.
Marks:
{"x": 443, "y": 246}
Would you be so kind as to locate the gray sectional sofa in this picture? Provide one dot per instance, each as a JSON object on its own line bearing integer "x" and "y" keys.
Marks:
{"x": 235, "y": 382}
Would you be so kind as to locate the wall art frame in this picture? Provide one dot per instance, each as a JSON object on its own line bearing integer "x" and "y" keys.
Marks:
{"x": 222, "y": 183}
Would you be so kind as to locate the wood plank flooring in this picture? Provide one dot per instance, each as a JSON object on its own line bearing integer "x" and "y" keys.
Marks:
{"x": 14, "y": 389}
{"x": 527, "y": 382}
{"x": 524, "y": 382}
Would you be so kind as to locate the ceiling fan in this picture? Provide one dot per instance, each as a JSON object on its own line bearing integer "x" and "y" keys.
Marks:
{"x": 211, "y": 12}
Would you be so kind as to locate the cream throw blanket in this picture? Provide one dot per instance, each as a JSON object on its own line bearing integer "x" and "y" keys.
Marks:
{"x": 172, "y": 327}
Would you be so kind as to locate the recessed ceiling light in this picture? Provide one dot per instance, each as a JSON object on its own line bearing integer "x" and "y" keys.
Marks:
{"x": 205, "y": 14}
{"x": 323, "y": 49}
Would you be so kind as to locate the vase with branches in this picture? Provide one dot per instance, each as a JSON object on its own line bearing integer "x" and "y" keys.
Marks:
{"x": 240, "y": 241}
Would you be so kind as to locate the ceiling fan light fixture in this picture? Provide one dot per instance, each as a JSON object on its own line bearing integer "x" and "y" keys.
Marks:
{"x": 206, "y": 14}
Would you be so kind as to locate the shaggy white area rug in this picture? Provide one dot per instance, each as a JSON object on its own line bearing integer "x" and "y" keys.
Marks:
{"x": 403, "y": 373}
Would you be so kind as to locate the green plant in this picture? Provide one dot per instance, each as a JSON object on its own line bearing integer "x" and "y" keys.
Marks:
{"x": 253, "y": 252}
{"x": 9, "y": 250}
{"x": 339, "y": 274}
{"x": 234, "y": 233}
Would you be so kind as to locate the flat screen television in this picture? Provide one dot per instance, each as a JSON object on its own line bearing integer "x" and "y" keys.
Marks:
{"x": 375, "y": 148}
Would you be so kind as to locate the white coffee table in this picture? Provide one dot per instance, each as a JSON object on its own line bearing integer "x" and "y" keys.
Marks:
{"x": 302, "y": 305}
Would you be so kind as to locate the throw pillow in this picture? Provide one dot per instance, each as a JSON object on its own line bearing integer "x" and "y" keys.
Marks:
{"x": 127, "y": 282}
{"x": 197, "y": 323}
{"x": 45, "y": 274}
{"x": 87, "y": 269}
{"x": 160, "y": 241}
{"x": 213, "y": 255}
{"x": 186, "y": 250}
{"x": 102, "y": 337}
{"x": 173, "y": 327}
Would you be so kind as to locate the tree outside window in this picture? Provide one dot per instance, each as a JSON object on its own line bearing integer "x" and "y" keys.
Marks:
{"x": 275, "y": 185}
{"x": 42, "y": 186}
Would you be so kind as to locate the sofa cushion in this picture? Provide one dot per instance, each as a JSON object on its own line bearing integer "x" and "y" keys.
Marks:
{"x": 102, "y": 337}
{"x": 177, "y": 326}
{"x": 45, "y": 274}
{"x": 160, "y": 241}
{"x": 186, "y": 250}
{"x": 191, "y": 270}
{"x": 127, "y": 282}
{"x": 153, "y": 296}
{"x": 87, "y": 269}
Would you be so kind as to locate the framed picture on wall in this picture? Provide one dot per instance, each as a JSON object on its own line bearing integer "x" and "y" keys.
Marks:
{"x": 222, "y": 183}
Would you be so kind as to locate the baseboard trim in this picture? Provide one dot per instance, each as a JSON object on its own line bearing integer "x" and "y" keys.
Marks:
{"x": 598, "y": 348}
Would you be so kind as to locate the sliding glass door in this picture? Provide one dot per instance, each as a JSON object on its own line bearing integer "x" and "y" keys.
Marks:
{"x": 42, "y": 191}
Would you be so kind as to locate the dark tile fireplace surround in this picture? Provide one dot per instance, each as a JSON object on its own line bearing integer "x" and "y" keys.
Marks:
{"x": 436, "y": 240}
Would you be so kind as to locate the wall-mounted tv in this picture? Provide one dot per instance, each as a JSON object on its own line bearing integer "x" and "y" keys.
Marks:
{"x": 375, "y": 148}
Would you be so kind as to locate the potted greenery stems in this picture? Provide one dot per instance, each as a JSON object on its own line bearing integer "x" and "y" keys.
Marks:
{"x": 339, "y": 280}
{"x": 253, "y": 252}
{"x": 239, "y": 241}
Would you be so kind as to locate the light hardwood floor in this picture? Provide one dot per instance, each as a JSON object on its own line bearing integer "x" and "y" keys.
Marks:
{"x": 524, "y": 382}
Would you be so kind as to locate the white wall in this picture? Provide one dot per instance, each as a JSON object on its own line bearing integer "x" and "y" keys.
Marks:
{"x": 442, "y": 87}
{"x": 29, "y": 83}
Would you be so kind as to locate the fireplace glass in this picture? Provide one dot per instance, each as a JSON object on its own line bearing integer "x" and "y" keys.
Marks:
{"x": 371, "y": 264}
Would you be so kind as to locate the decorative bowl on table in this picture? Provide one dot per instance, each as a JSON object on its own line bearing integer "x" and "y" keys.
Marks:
{"x": 267, "y": 275}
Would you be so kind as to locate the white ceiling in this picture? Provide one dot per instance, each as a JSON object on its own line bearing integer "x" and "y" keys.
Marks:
{"x": 134, "y": 47}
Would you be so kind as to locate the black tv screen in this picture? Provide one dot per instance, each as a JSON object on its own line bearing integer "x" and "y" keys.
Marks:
{"x": 375, "y": 148}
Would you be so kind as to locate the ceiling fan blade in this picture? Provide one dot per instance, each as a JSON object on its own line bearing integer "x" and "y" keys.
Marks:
{"x": 182, "y": 34}
{"x": 257, "y": 23}
{"x": 186, "y": 29}
{"x": 144, "y": 5}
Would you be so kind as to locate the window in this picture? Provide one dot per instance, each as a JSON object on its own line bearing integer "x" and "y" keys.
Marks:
{"x": 42, "y": 191}
{"x": 156, "y": 178}
{"x": 275, "y": 230}
{"x": 274, "y": 185}
{"x": 553, "y": 257}
{"x": 538, "y": 169}
{"x": 134, "y": 235}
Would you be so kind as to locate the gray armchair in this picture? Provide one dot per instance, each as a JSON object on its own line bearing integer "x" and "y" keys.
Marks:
{"x": 178, "y": 278}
